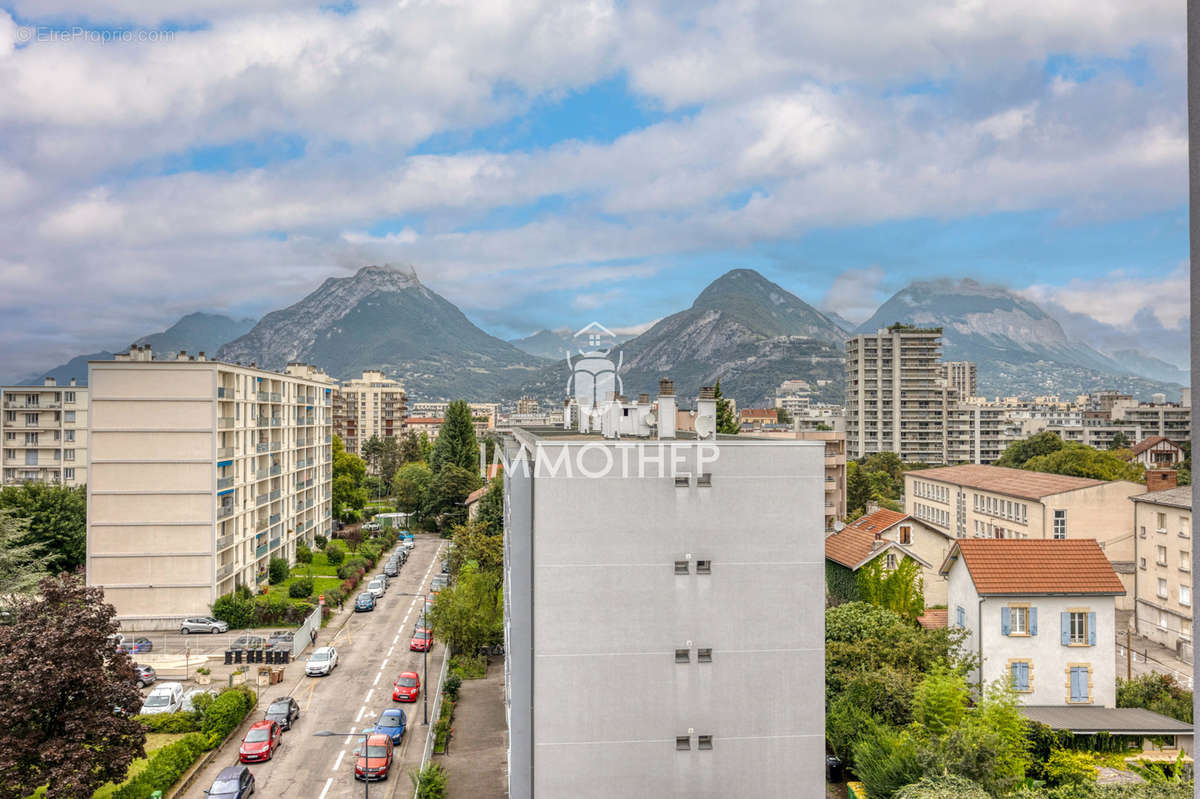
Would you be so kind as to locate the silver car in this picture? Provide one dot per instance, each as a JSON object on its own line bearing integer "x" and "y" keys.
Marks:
{"x": 202, "y": 624}
{"x": 321, "y": 662}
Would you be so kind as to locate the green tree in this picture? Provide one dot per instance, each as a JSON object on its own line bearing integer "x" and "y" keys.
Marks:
{"x": 372, "y": 453}
{"x": 456, "y": 444}
{"x": 57, "y": 520}
{"x": 410, "y": 448}
{"x": 727, "y": 423}
{"x": 890, "y": 465}
{"x": 885, "y": 760}
{"x": 22, "y": 565}
{"x": 429, "y": 782}
{"x": 491, "y": 506}
{"x": 389, "y": 459}
{"x": 1018, "y": 452}
{"x": 469, "y": 613}
{"x": 939, "y": 703}
{"x": 858, "y": 489}
{"x": 1157, "y": 692}
{"x": 334, "y": 555}
{"x": 1120, "y": 441}
{"x": 277, "y": 570}
{"x": 782, "y": 415}
{"x": 448, "y": 491}
{"x": 899, "y": 590}
{"x": 1080, "y": 460}
{"x": 474, "y": 544}
{"x": 410, "y": 486}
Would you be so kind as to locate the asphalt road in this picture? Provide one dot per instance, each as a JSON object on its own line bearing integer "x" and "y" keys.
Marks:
{"x": 373, "y": 648}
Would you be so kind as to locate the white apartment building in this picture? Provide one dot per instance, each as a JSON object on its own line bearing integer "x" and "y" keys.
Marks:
{"x": 201, "y": 471}
{"x": 1163, "y": 523}
{"x": 650, "y": 652}
{"x": 979, "y": 432}
{"x": 896, "y": 394}
{"x": 961, "y": 378}
{"x": 374, "y": 405}
{"x": 44, "y": 430}
{"x": 484, "y": 414}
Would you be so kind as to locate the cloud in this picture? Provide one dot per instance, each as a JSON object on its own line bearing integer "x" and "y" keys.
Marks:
{"x": 856, "y": 293}
{"x": 1118, "y": 297}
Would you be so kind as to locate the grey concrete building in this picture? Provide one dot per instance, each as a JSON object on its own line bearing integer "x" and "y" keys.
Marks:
{"x": 664, "y": 610}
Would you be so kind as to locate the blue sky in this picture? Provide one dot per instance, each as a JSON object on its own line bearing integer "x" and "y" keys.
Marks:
{"x": 543, "y": 164}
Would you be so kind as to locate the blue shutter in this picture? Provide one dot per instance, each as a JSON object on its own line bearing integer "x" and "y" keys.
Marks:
{"x": 1023, "y": 676}
{"x": 1064, "y": 621}
{"x": 1005, "y": 624}
{"x": 962, "y": 617}
{"x": 1015, "y": 676}
{"x": 1033, "y": 621}
{"x": 1078, "y": 684}
{"x": 1091, "y": 629}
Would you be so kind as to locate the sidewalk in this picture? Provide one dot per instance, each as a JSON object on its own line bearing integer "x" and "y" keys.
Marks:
{"x": 477, "y": 763}
{"x": 1149, "y": 656}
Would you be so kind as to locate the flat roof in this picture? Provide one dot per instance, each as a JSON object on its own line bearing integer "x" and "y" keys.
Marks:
{"x": 557, "y": 433}
{"x": 1003, "y": 480}
{"x": 1089, "y": 719}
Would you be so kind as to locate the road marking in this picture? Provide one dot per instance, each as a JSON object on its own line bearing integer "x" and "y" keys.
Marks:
{"x": 361, "y": 710}
{"x": 378, "y": 674}
{"x": 349, "y": 737}
{"x": 384, "y": 663}
{"x": 397, "y": 638}
{"x": 392, "y": 647}
{"x": 325, "y": 790}
{"x": 308, "y": 702}
{"x": 337, "y": 764}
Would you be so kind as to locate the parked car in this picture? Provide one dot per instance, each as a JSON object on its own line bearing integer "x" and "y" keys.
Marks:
{"x": 440, "y": 581}
{"x": 391, "y": 568}
{"x": 407, "y": 687}
{"x": 373, "y": 760}
{"x": 281, "y": 639}
{"x": 133, "y": 646}
{"x": 321, "y": 662}
{"x": 233, "y": 782}
{"x": 422, "y": 641}
{"x": 376, "y": 587}
{"x": 364, "y": 602}
{"x": 189, "y": 698}
{"x": 284, "y": 711}
{"x": 203, "y": 624}
{"x": 261, "y": 741}
{"x": 372, "y": 527}
{"x": 392, "y": 723}
{"x": 144, "y": 675}
{"x": 249, "y": 642}
{"x": 445, "y": 566}
{"x": 166, "y": 698}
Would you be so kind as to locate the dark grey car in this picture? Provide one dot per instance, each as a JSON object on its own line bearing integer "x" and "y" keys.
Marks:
{"x": 234, "y": 782}
{"x": 283, "y": 711}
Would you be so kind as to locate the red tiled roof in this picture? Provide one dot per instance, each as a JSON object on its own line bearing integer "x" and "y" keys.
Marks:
{"x": 424, "y": 420}
{"x": 758, "y": 413}
{"x": 878, "y": 521}
{"x": 475, "y": 495}
{"x": 1036, "y": 566}
{"x": 934, "y": 619}
{"x": 1147, "y": 443}
{"x": 849, "y": 547}
{"x": 1003, "y": 480}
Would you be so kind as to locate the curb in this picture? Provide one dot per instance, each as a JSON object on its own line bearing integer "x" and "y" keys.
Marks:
{"x": 189, "y": 777}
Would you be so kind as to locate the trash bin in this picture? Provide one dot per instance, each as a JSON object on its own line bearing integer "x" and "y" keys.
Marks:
{"x": 285, "y": 656}
{"x": 228, "y": 657}
{"x": 276, "y": 675}
{"x": 237, "y": 656}
{"x": 835, "y": 771}
{"x": 264, "y": 676}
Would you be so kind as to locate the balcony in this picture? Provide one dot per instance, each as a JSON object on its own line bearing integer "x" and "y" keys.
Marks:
{"x": 261, "y": 499}
{"x": 276, "y": 469}
{"x": 276, "y": 397}
{"x": 276, "y": 421}
{"x": 276, "y": 446}
{"x": 299, "y": 485}
{"x": 225, "y": 541}
{"x": 273, "y": 519}
{"x": 224, "y": 393}
{"x": 224, "y": 571}
{"x": 260, "y": 550}
{"x": 224, "y": 511}
{"x": 224, "y": 482}
{"x": 262, "y": 396}
{"x": 275, "y": 542}
{"x": 224, "y": 452}
{"x": 263, "y": 446}
{"x": 262, "y": 421}
{"x": 276, "y": 494}
{"x": 224, "y": 422}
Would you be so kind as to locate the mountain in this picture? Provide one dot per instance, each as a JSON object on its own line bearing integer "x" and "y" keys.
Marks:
{"x": 197, "y": 332}
{"x": 1019, "y": 348}
{"x": 845, "y": 324}
{"x": 385, "y": 318}
{"x": 76, "y": 368}
{"x": 553, "y": 344}
{"x": 742, "y": 329}
{"x": 1146, "y": 365}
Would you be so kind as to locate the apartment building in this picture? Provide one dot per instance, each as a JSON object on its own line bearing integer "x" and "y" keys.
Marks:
{"x": 961, "y": 378}
{"x": 650, "y": 651}
{"x": 977, "y": 501}
{"x": 45, "y": 433}
{"x": 374, "y": 405}
{"x": 793, "y": 396}
{"x": 979, "y": 432}
{"x": 484, "y": 416}
{"x": 201, "y": 471}
{"x": 527, "y": 405}
{"x": 1163, "y": 523}
{"x": 896, "y": 394}
{"x": 835, "y": 467}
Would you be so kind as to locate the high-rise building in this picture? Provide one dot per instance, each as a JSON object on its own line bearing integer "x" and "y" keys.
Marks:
{"x": 200, "y": 472}
{"x": 374, "y": 405}
{"x": 896, "y": 394}
{"x": 979, "y": 432}
{"x": 636, "y": 617}
{"x": 961, "y": 378}
{"x": 484, "y": 415}
{"x": 45, "y": 433}
{"x": 527, "y": 405}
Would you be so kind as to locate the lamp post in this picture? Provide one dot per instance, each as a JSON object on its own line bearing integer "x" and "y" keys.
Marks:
{"x": 364, "y": 734}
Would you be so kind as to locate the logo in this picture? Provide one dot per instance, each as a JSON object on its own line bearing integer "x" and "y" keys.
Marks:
{"x": 594, "y": 379}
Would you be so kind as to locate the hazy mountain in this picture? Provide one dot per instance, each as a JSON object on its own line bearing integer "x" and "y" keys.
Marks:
{"x": 385, "y": 318}
{"x": 197, "y": 332}
{"x": 1020, "y": 349}
{"x": 1146, "y": 365}
{"x": 742, "y": 329}
{"x": 845, "y": 324}
{"x": 553, "y": 344}
{"x": 76, "y": 368}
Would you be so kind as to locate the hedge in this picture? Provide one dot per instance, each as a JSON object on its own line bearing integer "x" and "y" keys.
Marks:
{"x": 164, "y": 768}
{"x": 171, "y": 722}
{"x": 301, "y": 588}
{"x": 226, "y": 713}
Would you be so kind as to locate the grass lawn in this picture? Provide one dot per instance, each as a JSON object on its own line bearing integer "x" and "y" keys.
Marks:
{"x": 154, "y": 742}
{"x": 320, "y": 564}
{"x": 320, "y": 584}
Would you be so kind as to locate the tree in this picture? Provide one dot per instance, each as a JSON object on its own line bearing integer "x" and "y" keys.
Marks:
{"x": 1018, "y": 452}
{"x": 409, "y": 448}
{"x": 353, "y": 537}
{"x": 456, "y": 444}
{"x": 858, "y": 488}
{"x": 1080, "y": 460}
{"x": 372, "y": 453}
{"x": 469, "y": 613}
{"x": 491, "y": 507}
{"x": 57, "y": 725}
{"x": 334, "y": 555}
{"x": 22, "y": 565}
{"x": 389, "y": 459}
{"x": 1120, "y": 441}
{"x": 474, "y": 544}
{"x": 57, "y": 520}
{"x": 727, "y": 423}
{"x": 782, "y": 416}
{"x": 410, "y": 486}
{"x": 277, "y": 570}
{"x": 901, "y": 590}
{"x": 885, "y": 760}
{"x": 346, "y": 494}
{"x": 448, "y": 491}
{"x": 1157, "y": 692}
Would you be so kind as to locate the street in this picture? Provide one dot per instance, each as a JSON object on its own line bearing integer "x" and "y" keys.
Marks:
{"x": 373, "y": 648}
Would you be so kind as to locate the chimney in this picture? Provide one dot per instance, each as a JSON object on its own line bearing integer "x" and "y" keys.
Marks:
{"x": 1161, "y": 479}
{"x": 72, "y": 381}
{"x": 201, "y": 357}
{"x": 49, "y": 381}
{"x": 666, "y": 408}
{"x": 706, "y": 413}
{"x": 643, "y": 399}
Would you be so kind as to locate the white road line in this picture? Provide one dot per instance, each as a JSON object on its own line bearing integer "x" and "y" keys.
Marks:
{"x": 367, "y": 698}
{"x": 325, "y": 790}
{"x": 397, "y": 638}
{"x": 337, "y": 764}
{"x": 378, "y": 674}
{"x": 361, "y": 710}
{"x": 349, "y": 737}
{"x": 385, "y": 662}
{"x": 392, "y": 648}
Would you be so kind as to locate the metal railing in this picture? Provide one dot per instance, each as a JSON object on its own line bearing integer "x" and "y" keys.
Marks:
{"x": 224, "y": 511}
{"x": 224, "y": 482}
{"x": 224, "y": 542}
{"x": 261, "y": 499}
{"x": 225, "y": 452}
{"x": 225, "y": 422}
{"x": 224, "y": 571}
{"x": 273, "y": 519}
{"x": 259, "y": 551}
{"x": 263, "y": 446}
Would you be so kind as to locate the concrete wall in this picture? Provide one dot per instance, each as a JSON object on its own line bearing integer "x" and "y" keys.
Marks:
{"x": 1162, "y": 619}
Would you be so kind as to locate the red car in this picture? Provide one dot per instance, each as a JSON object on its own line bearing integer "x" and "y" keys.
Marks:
{"x": 376, "y": 761}
{"x": 407, "y": 687}
{"x": 260, "y": 742}
{"x": 422, "y": 641}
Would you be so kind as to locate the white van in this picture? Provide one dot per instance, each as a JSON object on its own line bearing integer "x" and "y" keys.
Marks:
{"x": 167, "y": 697}
{"x": 375, "y": 587}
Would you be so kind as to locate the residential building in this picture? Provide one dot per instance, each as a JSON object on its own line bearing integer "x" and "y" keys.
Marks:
{"x": 1163, "y": 525}
{"x": 45, "y": 433}
{"x": 976, "y": 501}
{"x": 1040, "y": 614}
{"x": 752, "y": 419}
{"x": 486, "y": 414}
{"x": 896, "y": 394}
{"x": 1158, "y": 452}
{"x": 374, "y": 405}
{"x": 893, "y": 537}
{"x": 819, "y": 417}
{"x": 979, "y": 432}
{"x": 200, "y": 472}
{"x": 635, "y": 618}
{"x": 527, "y": 405}
{"x": 961, "y": 378}
{"x": 794, "y": 396}
{"x": 835, "y": 467}
{"x": 429, "y": 425}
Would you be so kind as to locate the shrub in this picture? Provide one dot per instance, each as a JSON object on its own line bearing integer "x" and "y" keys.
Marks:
{"x": 1068, "y": 767}
{"x": 226, "y": 713}
{"x": 430, "y": 782}
{"x": 334, "y": 555}
{"x": 885, "y": 760}
{"x": 333, "y": 596}
{"x": 301, "y": 588}
{"x": 234, "y": 609}
{"x": 450, "y": 689}
{"x": 469, "y": 667}
{"x": 321, "y": 541}
{"x": 165, "y": 767}
{"x": 171, "y": 722}
{"x": 348, "y": 587}
{"x": 303, "y": 554}
{"x": 944, "y": 787}
{"x": 277, "y": 570}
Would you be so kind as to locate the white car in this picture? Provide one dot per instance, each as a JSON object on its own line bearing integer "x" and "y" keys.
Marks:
{"x": 372, "y": 527}
{"x": 375, "y": 587}
{"x": 188, "y": 704}
{"x": 321, "y": 662}
{"x": 167, "y": 697}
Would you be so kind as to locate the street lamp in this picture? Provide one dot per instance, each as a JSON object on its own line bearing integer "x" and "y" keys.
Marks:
{"x": 364, "y": 734}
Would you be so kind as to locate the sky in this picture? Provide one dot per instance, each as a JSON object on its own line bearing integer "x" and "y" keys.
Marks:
{"x": 544, "y": 164}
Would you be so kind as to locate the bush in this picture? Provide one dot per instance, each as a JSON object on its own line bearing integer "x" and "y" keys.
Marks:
{"x": 334, "y": 555}
{"x": 226, "y": 713}
{"x": 320, "y": 541}
{"x": 885, "y": 760}
{"x": 171, "y": 722}
{"x": 165, "y": 767}
{"x": 1071, "y": 768}
{"x": 301, "y": 588}
{"x": 277, "y": 570}
{"x": 334, "y": 596}
{"x": 469, "y": 667}
{"x": 450, "y": 689}
{"x": 946, "y": 787}
{"x": 348, "y": 587}
{"x": 234, "y": 609}
{"x": 430, "y": 782}
{"x": 278, "y": 611}
{"x": 303, "y": 554}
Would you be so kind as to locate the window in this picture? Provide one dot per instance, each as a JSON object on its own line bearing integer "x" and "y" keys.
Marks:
{"x": 704, "y": 480}
{"x": 704, "y": 567}
{"x": 704, "y": 655}
{"x": 68, "y": 474}
{"x": 1185, "y": 595}
{"x": 1162, "y": 588}
{"x": 1162, "y": 522}
{"x": 681, "y": 567}
{"x": 1019, "y": 621}
{"x": 1161, "y": 558}
{"x": 70, "y": 435}
{"x": 1019, "y": 672}
{"x": 704, "y": 742}
{"x": 1080, "y": 688}
{"x": 1079, "y": 628}
{"x": 683, "y": 742}
{"x": 69, "y": 397}
{"x": 1142, "y": 531}
{"x": 905, "y": 534}
{"x": 1143, "y": 562}
{"x": 31, "y": 418}
{"x": 960, "y": 616}
{"x": 1185, "y": 560}
{"x": 69, "y": 416}
{"x": 889, "y": 561}
{"x": 68, "y": 454}
{"x": 1060, "y": 524}
{"x": 682, "y": 481}
{"x": 683, "y": 656}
